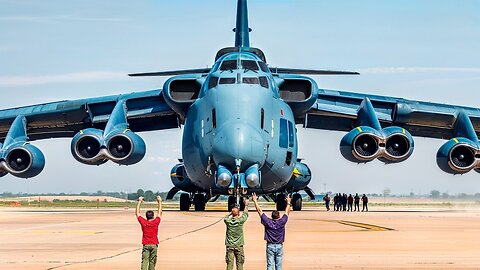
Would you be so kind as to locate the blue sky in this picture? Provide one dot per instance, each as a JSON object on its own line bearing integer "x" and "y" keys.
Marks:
{"x": 54, "y": 50}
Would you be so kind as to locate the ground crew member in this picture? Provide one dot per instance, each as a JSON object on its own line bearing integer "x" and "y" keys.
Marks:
{"x": 357, "y": 202}
{"x": 234, "y": 240}
{"x": 326, "y": 199}
{"x": 365, "y": 203}
{"x": 350, "y": 203}
{"x": 150, "y": 234}
{"x": 274, "y": 233}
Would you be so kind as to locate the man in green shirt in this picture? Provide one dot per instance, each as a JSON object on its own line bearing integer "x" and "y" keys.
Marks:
{"x": 234, "y": 237}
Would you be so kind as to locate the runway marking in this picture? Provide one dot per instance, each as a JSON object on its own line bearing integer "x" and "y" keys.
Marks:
{"x": 66, "y": 263}
{"x": 364, "y": 226}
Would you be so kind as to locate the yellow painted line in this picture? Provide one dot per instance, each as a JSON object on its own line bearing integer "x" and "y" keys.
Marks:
{"x": 126, "y": 130}
{"x": 403, "y": 130}
{"x": 173, "y": 174}
{"x": 359, "y": 129}
{"x": 81, "y": 131}
{"x": 455, "y": 140}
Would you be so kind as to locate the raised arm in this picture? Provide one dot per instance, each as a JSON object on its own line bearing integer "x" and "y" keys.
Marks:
{"x": 159, "y": 201}
{"x": 255, "y": 201}
{"x": 289, "y": 204}
{"x": 137, "y": 210}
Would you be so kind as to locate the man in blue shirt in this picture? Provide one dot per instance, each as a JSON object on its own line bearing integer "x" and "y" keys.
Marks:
{"x": 274, "y": 233}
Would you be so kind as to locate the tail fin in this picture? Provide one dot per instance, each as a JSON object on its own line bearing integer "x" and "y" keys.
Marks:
{"x": 242, "y": 36}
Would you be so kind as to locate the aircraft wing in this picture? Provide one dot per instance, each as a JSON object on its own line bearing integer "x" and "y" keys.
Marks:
{"x": 145, "y": 111}
{"x": 338, "y": 110}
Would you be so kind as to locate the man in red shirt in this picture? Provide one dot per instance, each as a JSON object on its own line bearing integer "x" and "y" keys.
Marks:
{"x": 150, "y": 234}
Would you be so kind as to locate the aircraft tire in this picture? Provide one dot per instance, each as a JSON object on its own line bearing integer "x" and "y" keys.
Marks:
{"x": 199, "y": 202}
{"x": 280, "y": 202}
{"x": 297, "y": 202}
{"x": 184, "y": 202}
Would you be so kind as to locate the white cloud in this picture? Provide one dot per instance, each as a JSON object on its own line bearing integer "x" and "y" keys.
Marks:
{"x": 45, "y": 19}
{"x": 12, "y": 81}
{"x": 396, "y": 70}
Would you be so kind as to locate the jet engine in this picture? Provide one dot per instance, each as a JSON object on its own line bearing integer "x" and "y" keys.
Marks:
{"x": 364, "y": 144}
{"x": 399, "y": 145}
{"x": 458, "y": 156}
{"x": 24, "y": 161}
{"x": 301, "y": 177}
{"x": 92, "y": 148}
{"x": 125, "y": 148}
{"x": 180, "y": 179}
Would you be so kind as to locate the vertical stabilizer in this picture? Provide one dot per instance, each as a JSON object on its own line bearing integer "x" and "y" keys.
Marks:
{"x": 242, "y": 38}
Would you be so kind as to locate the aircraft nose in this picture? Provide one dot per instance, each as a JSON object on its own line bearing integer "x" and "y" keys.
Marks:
{"x": 239, "y": 141}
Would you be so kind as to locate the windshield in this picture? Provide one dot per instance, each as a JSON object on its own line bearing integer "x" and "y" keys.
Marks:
{"x": 250, "y": 65}
{"x": 229, "y": 65}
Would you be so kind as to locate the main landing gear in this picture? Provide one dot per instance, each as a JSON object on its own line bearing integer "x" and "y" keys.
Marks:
{"x": 199, "y": 201}
{"x": 281, "y": 203}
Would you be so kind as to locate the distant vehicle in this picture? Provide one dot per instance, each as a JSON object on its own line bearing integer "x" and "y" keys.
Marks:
{"x": 239, "y": 131}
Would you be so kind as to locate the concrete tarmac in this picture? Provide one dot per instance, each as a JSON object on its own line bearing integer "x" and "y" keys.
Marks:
{"x": 111, "y": 239}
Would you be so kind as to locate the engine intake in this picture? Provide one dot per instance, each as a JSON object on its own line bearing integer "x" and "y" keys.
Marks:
{"x": 23, "y": 161}
{"x": 90, "y": 147}
{"x": 364, "y": 144}
{"x": 458, "y": 156}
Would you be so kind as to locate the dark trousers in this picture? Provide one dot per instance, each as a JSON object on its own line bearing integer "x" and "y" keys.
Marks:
{"x": 357, "y": 206}
{"x": 350, "y": 207}
{"x": 235, "y": 254}
{"x": 365, "y": 207}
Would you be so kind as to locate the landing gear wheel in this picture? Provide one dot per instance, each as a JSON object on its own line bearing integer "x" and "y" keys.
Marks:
{"x": 242, "y": 204}
{"x": 231, "y": 202}
{"x": 184, "y": 202}
{"x": 297, "y": 202}
{"x": 199, "y": 202}
{"x": 281, "y": 203}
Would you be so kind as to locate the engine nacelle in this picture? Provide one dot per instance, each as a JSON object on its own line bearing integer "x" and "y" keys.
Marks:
{"x": 86, "y": 147}
{"x": 364, "y": 144}
{"x": 180, "y": 179}
{"x": 123, "y": 147}
{"x": 458, "y": 156}
{"x": 181, "y": 91}
{"x": 301, "y": 177}
{"x": 399, "y": 145}
{"x": 23, "y": 160}
{"x": 299, "y": 92}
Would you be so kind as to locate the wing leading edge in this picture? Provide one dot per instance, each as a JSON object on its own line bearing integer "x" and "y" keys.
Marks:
{"x": 145, "y": 111}
{"x": 338, "y": 110}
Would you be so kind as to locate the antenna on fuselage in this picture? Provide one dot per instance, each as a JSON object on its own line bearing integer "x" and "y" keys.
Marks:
{"x": 242, "y": 36}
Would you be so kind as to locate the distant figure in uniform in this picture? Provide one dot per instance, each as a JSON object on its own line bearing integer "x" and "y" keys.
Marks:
{"x": 344, "y": 202}
{"x": 335, "y": 202}
{"x": 326, "y": 199}
{"x": 365, "y": 203}
{"x": 350, "y": 203}
{"x": 274, "y": 233}
{"x": 234, "y": 240}
{"x": 357, "y": 202}
{"x": 150, "y": 234}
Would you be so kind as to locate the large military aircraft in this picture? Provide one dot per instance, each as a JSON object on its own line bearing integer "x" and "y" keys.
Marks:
{"x": 239, "y": 132}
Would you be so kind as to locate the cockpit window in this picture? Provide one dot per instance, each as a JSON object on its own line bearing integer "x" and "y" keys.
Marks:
{"x": 212, "y": 82}
{"x": 250, "y": 65}
{"x": 229, "y": 65}
{"x": 250, "y": 80}
{"x": 263, "y": 81}
{"x": 263, "y": 66}
{"x": 227, "y": 80}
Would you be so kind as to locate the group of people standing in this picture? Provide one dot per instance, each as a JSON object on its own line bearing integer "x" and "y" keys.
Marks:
{"x": 344, "y": 202}
{"x": 274, "y": 235}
